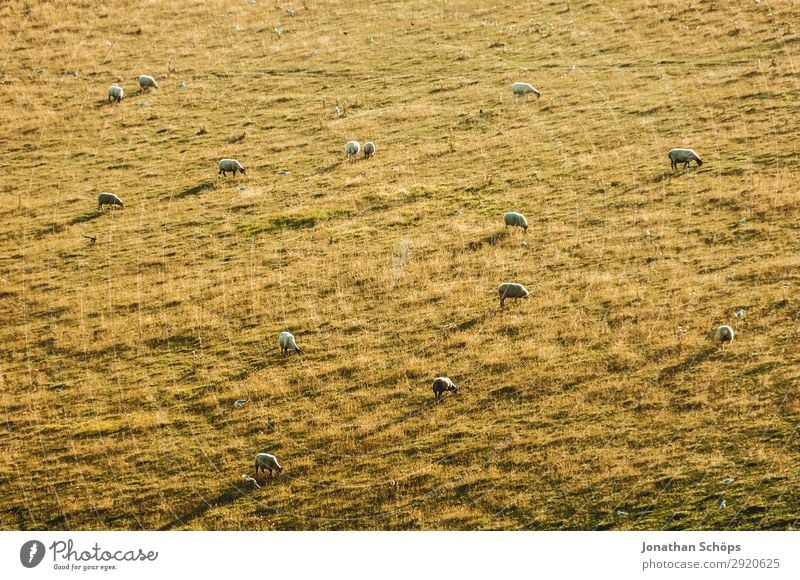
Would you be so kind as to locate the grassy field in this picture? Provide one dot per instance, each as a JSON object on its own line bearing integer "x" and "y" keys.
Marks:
{"x": 601, "y": 402}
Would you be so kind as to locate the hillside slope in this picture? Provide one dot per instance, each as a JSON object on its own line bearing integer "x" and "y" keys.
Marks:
{"x": 120, "y": 360}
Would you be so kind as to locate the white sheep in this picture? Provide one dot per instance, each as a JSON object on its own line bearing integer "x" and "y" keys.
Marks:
{"x": 524, "y": 89}
{"x": 369, "y": 149}
{"x": 115, "y": 93}
{"x": 226, "y": 165}
{"x": 442, "y": 384}
{"x": 683, "y": 156}
{"x": 266, "y": 462}
{"x": 351, "y": 149}
{"x": 286, "y": 341}
{"x": 513, "y": 218}
{"x": 108, "y": 199}
{"x": 146, "y": 82}
{"x": 511, "y": 290}
{"x": 724, "y": 334}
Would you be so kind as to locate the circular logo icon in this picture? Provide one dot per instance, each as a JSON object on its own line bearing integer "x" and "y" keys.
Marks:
{"x": 31, "y": 553}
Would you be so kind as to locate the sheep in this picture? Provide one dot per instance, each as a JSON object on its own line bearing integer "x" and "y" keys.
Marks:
{"x": 524, "y": 89}
{"x": 369, "y": 149}
{"x": 108, "y": 199}
{"x": 442, "y": 384}
{"x": 724, "y": 334}
{"x": 146, "y": 82}
{"x": 351, "y": 149}
{"x": 266, "y": 462}
{"x": 511, "y": 290}
{"x": 115, "y": 93}
{"x": 226, "y": 165}
{"x": 513, "y": 218}
{"x": 683, "y": 156}
{"x": 286, "y": 341}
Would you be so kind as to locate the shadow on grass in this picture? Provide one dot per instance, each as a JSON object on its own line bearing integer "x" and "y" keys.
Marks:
{"x": 195, "y": 190}
{"x": 676, "y": 173}
{"x": 489, "y": 240}
{"x": 225, "y": 498}
{"x": 329, "y": 168}
{"x": 686, "y": 364}
{"x": 87, "y": 217}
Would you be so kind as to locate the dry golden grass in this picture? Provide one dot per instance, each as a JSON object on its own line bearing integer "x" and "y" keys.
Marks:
{"x": 120, "y": 362}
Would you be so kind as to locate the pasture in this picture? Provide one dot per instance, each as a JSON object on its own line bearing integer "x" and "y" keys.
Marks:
{"x": 602, "y": 394}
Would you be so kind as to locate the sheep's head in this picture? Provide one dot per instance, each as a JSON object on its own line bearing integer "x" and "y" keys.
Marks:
{"x": 724, "y": 334}
{"x": 242, "y": 170}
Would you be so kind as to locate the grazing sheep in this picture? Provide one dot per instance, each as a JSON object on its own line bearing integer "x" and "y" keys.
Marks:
{"x": 286, "y": 340}
{"x": 683, "y": 156}
{"x": 511, "y": 290}
{"x": 115, "y": 93}
{"x": 524, "y": 89}
{"x": 226, "y": 165}
{"x": 442, "y": 384}
{"x": 266, "y": 462}
{"x": 724, "y": 334}
{"x": 146, "y": 82}
{"x": 369, "y": 149}
{"x": 108, "y": 199}
{"x": 513, "y": 218}
{"x": 351, "y": 149}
